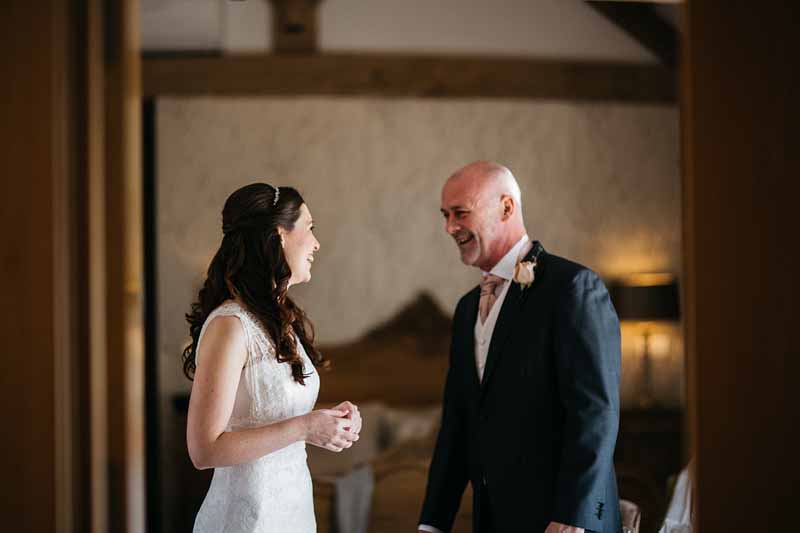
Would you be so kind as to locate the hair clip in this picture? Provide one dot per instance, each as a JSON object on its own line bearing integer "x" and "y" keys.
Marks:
{"x": 277, "y": 195}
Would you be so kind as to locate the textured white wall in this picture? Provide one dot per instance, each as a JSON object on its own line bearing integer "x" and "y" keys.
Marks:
{"x": 600, "y": 185}
{"x": 181, "y": 24}
{"x": 543, "y": 28}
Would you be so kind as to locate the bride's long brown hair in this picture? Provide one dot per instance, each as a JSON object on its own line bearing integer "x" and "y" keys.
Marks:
{"x": 250, "y": 266}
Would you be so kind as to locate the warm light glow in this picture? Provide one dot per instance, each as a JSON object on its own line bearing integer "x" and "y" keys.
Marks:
{"x": 648, "y": 279}
{"x": 665, "y": 349}
{"x": 660, "y": 346}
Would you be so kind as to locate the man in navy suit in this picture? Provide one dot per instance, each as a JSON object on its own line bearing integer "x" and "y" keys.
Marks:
{"x": 531, "y": 401}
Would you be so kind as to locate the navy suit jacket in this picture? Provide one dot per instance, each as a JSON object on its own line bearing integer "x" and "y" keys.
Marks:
{"x": 541, "y": 428}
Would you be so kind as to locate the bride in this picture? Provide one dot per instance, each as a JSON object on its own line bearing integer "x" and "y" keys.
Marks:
{"x": 252, "y": 360}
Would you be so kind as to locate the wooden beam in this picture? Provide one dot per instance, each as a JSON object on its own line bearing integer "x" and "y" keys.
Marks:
{"x": 294, "y": 26}
{"x": 404, "y": 76}
{"x": 641, "y": 21}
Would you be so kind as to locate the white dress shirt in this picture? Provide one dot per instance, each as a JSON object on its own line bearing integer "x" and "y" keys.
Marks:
{"x": 483, "y": 332}
{"x": 503, "y": 269}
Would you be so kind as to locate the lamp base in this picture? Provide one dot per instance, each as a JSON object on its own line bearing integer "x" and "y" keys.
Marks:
{"x": 646, "y": 399}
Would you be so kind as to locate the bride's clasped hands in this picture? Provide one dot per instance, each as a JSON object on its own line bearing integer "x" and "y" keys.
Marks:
{"x": 333, "y": 429}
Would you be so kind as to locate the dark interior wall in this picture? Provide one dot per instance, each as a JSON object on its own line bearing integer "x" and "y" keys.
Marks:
{"x": 741, "y": 261}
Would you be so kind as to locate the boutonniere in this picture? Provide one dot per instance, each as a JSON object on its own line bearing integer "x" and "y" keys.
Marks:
{"x": 525, "y": 273}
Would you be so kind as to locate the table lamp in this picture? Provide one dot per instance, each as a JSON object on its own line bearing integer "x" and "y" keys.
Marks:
{"x": 646, "y": 298}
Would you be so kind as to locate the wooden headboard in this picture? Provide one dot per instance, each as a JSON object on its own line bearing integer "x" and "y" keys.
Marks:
{"x": 401, "y": 363}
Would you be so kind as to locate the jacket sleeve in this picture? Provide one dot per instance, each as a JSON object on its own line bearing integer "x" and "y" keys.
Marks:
{"x": 448, "y": 473}
{"x": 588, "y": 369}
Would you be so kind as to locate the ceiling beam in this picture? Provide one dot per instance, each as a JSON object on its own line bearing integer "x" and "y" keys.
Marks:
{"x": 295, "y": 26}
{"x": 393, "y": 75}
{"x": 641, "y": 21}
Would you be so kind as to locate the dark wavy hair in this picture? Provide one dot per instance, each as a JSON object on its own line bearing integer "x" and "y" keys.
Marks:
{"x": 250, "y": 266}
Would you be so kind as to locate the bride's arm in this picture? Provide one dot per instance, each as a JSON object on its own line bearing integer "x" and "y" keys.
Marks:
{"x": 222, "y": 355}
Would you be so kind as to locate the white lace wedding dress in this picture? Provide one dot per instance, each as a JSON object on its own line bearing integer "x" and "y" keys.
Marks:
{"x": 273, "y": 493}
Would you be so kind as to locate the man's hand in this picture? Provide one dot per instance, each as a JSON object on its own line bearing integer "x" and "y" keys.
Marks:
{"x": 555, "y": 527}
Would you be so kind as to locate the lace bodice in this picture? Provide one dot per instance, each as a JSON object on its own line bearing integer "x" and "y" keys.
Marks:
{"x": 272, "y": 493}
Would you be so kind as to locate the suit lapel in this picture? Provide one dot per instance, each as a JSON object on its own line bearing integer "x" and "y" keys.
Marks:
{"x": 471, "y": 310}
{"x": 506, "y": 318}
{"x": 515, "y": 298}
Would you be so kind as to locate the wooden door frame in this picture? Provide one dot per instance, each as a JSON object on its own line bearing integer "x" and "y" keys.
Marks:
{"x": 124, "y": 267}
{"x": 110, "y": 265}
{"x": 72, "y": 255}
{"x": 740, "y": 170}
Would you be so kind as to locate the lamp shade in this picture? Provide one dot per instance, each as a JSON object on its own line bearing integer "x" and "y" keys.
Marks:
{"x": 645, "y": 302}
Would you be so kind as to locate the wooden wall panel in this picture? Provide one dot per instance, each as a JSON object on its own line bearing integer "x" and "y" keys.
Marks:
{"x": 741, "y": 261}
{"x": 36, "y": 391}
{"x": 72, "y": 365}
{"x": 124, "y": 264}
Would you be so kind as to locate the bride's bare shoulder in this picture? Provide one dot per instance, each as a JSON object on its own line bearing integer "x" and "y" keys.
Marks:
{"x": 223, "y": 338}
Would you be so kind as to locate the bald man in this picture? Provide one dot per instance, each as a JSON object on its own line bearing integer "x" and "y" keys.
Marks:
{"x": 531, "y": 401}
